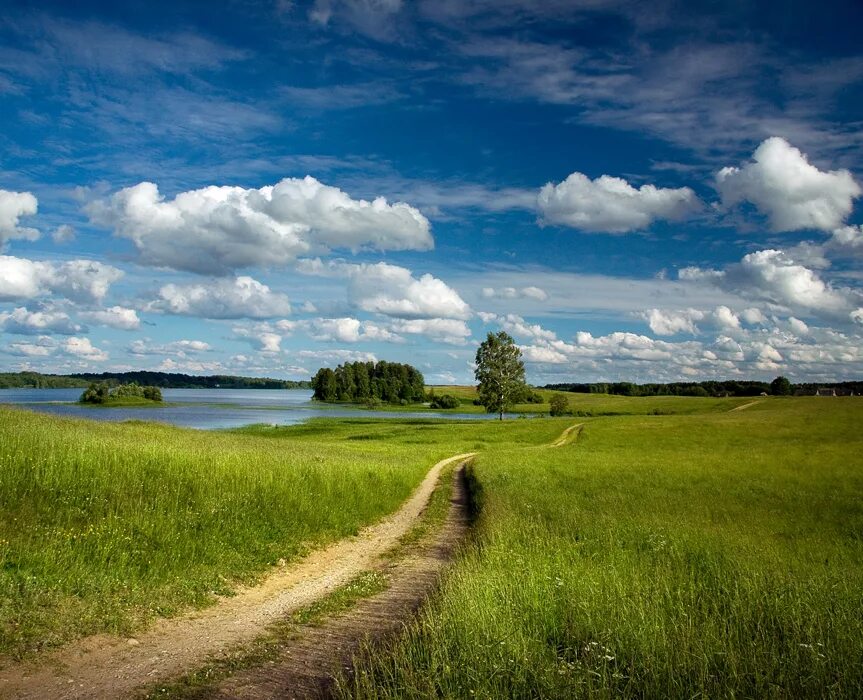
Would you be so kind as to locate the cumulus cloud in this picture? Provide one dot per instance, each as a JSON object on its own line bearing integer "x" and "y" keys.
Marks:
{"x": 394, "y": 291}
{"x": 114, "y": 317}
{"x": 664, "y": 322}
{"x": 240, "y": 297}
{"x": 611, "y": 205}
{"x": 216, "y": 230}
{"x": 850, "y": 236}
{"x": 84, "y": 281}
{"x": 672, "y": 322}
{"x": 534, "y": 293}
{"x": 63, "y": 234}
{"x": 350, "y": 330}
{"x": 14, "y": 205}
{"x": 442, "y": 330}
{"x": 773, "y": 275}
{"x": 789, "y": 190}
{"x": 177, "y": 348}
{"x": 32, "y": 322}
{"x": 83, "y": 349}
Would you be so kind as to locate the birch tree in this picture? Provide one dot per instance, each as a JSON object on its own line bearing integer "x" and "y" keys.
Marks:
{"x": 499, "y": 372}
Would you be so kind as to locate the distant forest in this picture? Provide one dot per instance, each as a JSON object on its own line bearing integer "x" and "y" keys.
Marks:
{"x": 164, "y": 380}
{"x": 369, "y": 382}
{"x": 711, "y": 388}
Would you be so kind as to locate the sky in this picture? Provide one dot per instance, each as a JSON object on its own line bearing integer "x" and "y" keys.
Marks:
{"x": 645, "y": 191}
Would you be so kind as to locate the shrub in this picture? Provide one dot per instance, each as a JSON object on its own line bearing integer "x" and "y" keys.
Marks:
{"x": 559, "y": 405}
{"x": 445, "y": 401}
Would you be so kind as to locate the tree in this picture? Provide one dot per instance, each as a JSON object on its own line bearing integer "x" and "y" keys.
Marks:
{"x": 780, "y": 387}
{"x": 558, "y": 405}
{"x": 499, "y": 372}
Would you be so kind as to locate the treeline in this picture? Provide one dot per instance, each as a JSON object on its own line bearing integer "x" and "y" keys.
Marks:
{"x": 368, "y": 382}
{"x": 709, "y": 388}
{"x": 35, "y": 380}
{"x": 165, "y": 380}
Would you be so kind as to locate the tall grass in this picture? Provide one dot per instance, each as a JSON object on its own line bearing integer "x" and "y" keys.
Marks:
{"x": 717, "y": 555}
{"x": 104, "y": 526}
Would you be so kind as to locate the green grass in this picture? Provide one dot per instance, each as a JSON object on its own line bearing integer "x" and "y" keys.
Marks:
{"x": 587, "y": 405}
{"x": 104, "y": 526}
{"x": 717, "y": 555}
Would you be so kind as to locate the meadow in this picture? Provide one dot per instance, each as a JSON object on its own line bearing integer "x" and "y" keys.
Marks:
{"x": 590, "y": 405}
{"x": 710, "y": 555}
{"x": 105, "y": 526}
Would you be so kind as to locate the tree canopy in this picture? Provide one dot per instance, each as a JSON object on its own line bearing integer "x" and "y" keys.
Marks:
{"x": 500, "y": 373}
{"x": 391, "y": 382}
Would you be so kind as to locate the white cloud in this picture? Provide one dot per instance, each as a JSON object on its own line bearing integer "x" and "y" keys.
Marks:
{"x": 222, "y": 229}
{"x": 443, "y": 330}
{"x": 673, "y": 322}
{"x": 115, "y": 317}
{"x": 14, "y": 205}
{"x": 79, "y": 280}
{"x": 44, "y": 346}
{"x": 26, "y": 321}
{"x": 336, "y": 356}
{"x": 790, "y": 191}
{"x": 518, "y": 327}
{"x": 84, "y": 349}
{"x": 725, "y": 318}
{"x": 774, "y": 276}
{"x": 534, "y": 293}
{"x": 240, "y": 297}
{"x": 851, "y": 236}
{"x": 752, "y": 316}
{"x": 177, "y": 348}
{"x": 350, "y": 330}
{"x": 610, "y": 204}
{"x": 394, "y": 291}
{"x": 63, "y": 234}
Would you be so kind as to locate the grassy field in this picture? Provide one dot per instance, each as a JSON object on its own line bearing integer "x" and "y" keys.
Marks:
{"x": 588, "y": 405}
{"x": 712, "y": 555}
{"x": 104, "y": 526}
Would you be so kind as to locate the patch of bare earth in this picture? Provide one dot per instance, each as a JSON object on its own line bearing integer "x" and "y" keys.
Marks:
{"x": 110, "y": 667}
{"x": 308, "y": 664}
{"x": 745, "y": 406}
{"x": 568, "y": 435}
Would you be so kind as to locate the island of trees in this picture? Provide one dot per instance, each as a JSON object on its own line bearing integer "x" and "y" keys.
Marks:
{"x": 370, "y": 382}
{"x": 122, "y": 395}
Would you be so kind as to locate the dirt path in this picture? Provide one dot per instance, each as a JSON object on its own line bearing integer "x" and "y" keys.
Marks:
{"x": 745, "y": 405}
{"x": 307, "y": 665}
{"x": 567, "y": 435}
{"x": 108, "y": 667}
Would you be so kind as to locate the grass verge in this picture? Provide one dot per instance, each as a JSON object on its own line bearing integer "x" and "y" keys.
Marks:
{"x": 660, "y": 556}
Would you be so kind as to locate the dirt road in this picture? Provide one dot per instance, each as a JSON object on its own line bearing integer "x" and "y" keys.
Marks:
{"x": 108, "y": 667}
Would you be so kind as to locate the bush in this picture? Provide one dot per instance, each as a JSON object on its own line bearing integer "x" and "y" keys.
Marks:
{"x": 533, "y": 397}
{"x": 153, "y": 393}
{"x": 445, "y": 401}
{"x": 95, "y": 393}
{"x": 559, "y": 405}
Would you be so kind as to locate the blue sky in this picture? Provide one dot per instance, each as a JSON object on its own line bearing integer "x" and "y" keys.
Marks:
{"x": 652, "y": 191}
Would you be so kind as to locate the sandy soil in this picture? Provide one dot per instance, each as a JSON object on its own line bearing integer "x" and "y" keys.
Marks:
{"x": 308, "y": 664}
{"x": 745, "y": 405}
{"x": 567, "y": 435}
{"x": 110, "y": 667}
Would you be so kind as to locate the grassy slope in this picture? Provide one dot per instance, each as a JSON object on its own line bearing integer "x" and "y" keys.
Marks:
{"x": 661, "y": 556}
{"x": 594, "y": 404}
{"x": 104, "y": 526}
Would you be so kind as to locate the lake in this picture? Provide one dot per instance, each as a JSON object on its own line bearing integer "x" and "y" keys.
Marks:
{"x": 213, "y": 408}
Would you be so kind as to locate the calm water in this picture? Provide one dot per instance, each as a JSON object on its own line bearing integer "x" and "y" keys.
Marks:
{"x": 211, "y": 408}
